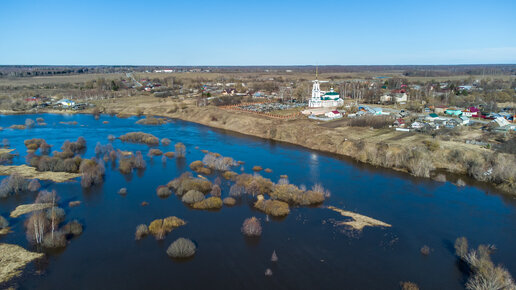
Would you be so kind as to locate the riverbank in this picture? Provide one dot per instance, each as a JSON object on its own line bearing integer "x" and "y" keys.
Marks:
{"x": 418, "y": 154}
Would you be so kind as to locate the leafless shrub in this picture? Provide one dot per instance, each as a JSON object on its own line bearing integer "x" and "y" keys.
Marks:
{"x": 461, "y": 247}
{"x": 408, "y": 286}
{"x": 209, "y": 203}
{"x": 55, "y": 239}
{"x": 72, "y": 228}
{"x": 122, "y": 191}
{"x": 103, "y": 149}
{"x": 29, "y": 123}
{"x": 74, "y": 147}
{"x": 180, "y": 150}
{"x": 34, "y": 185}
{"x": 252, "y": 227}
{"x": 74, "y": 203}
{"x": 140, "y": 137}
{"x": 92, "y": 171}
{"x": 274, "y": 257}
{"x": 37, "y": 225}
{"x": 165, "y": 141}
{"x": 181, "y": 248}
{"x": 215, "y": 190}
{"x": 3, "y": 223}
{"x": 13, "y": 184}
{"x": 141, "y": 231}
{"x": 268, "y": 272}
{"x": 45, "y": 196}
{"x": 192, "y": 196}
{"x": 163, "y": 191}
{"x": 425, "y": 250}
{"x": 111, "y": 137}
{"x": 229, "y": 201}
{"x": 257, "y": 168}
{"x": 139, "y": 163}
{"x": 40, "y": 120}
{"x": 218, "y": 162}
{"x": 272, "y": 207}
{"x": 236, "y": 190}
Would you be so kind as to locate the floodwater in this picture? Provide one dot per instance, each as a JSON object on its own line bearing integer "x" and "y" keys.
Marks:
{"x": 313, "y": 252}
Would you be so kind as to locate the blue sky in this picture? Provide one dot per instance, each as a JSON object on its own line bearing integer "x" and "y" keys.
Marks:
{"x": 257, "y": 32}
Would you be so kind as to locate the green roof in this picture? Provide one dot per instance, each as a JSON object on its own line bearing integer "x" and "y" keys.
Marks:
{"x": 434, "y": 115}
{"x": 332, "y": 94}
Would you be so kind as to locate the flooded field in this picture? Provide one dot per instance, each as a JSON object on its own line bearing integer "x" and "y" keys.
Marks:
{"x": 315, "y": 246}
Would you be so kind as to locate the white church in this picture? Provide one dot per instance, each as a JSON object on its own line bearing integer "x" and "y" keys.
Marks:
{"x": 322, "y": 99}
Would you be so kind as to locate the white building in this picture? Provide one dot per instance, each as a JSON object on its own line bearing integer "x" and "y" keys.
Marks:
{"x": 333, "y": 114}
{"x": 66, "y": 103}
{"x": 324, "y": 99}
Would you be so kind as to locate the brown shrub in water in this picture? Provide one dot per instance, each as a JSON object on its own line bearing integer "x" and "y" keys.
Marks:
{"x": 151, "y": 121}
{"x": 34, "y": 185}
{"x": 75, "y": 147}
{"x": 215, "y": 190}
{"x": 163, "y": 192}
{"x": 122, "y": 191}
{"x": 3, "y": 223}
{"x": 29, "y": 123}
{"x": 92, "y": 172}
{"x": 408, "y": 285}
{"x": 188, "y": 184}
{"x": 155, "y": 152}
{"x": 111, "y": 137}
{"x": 74, "y": 203}
{"x": 165, "y": 141}
{"x": 229, "y": 201}
{"x": 217, "y": 162}
{"x": 140, "y": 137}
{"x": 57, "y": 239}
{"x": 175, "y": 183}
{"x": 257, "y": 168}
{"x": 192, "y": 196}
{"x": 180, "y": 150}
{"x": 252, "y": 227}
{"x": 209, "y": 203}
{"x": 13, "y": 184}
{"x": 274, "y": 257}
{"x": 72, "y": 228}
{"x": 138, "y": 161}
{"x": 144, "y": 203}
{"x": 272, "y": 207}
{"x": 255, "y": 184}
{"x": 56, "y": 215}
{"x": 125, "y": 165}
{"x": 141, "y": 231}
{"x": 57, "y": 163}
{"x": 34, "y": 144}
{"x": 236, "y": 190}
{"x": 18, "y": 127}
{"x": 425, "y": 250}
{"x": 169, "y": 154}
{"x": 36, "y": 227}
{"x": 160, "y": 227}
{"x": 40, "y": 120}
{"x": 181, "y": 248}
{"x": 268, "y": 170}
{"x": 230, "y": 175}
{"x": 45, "y": 196}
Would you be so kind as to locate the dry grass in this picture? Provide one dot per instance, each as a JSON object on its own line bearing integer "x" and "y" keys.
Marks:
{"x": 230, "y": 175}
{"x": 169, "y": 154}
{"x": 192, "y": 196}
{"x": 181, "y": 248}
{"x": 28, "y": 208}
{"x": 257, "y": 168}
{"x": 160, "y": 227}
{"x": 74, "y": 203}
{"x": 13, "y": 259}
{"x": 151, "y": 121}
{"x": 359, "y": 221}
{"x": 30, "y": 172}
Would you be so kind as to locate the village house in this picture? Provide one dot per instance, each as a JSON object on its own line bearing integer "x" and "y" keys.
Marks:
{"x": 333, "y": 114}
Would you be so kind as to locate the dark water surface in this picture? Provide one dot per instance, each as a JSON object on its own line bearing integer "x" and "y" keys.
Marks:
{"x": 313, "y": 253}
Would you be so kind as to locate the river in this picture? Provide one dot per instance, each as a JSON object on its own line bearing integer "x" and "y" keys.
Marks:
{"x": 313, "y": 252}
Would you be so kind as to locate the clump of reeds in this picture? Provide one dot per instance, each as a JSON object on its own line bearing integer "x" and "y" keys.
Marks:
{"x": 257, "y": 168}
{"x": 230, "y": 175}
{"x": 198, "y": 166}
{"x": 218, "y": 162}
{"x": 155, "y": 152}
{"x": 74, "y": 203}
{"x": 122, "y": 191}
{"x": 160, "y": 227}
{"x": 186, "y": 182}
{"x": 151, "y": 121}
{"x": 181, "y": 248}
{"x": 425, "y": 250}
{"x": 407, "y": 285}
{"x": 169, "y": 154}
{"x": 252, "y": 227}
{"x": 180, "y": 150}
{"x": 165, "y": 141}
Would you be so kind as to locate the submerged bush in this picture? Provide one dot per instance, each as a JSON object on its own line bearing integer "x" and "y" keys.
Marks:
{"x": 255, "y": 184}
{"x": 252, "y": 227}
{"x": 272, "y": 207}
{"x": 257, "y": 168}
{"x": 192, "y": 196}
{"x": 56, "y": 239}
{"x": 141, "y": 231}
{"x": 74, "y": 147}
{"x": 408, "y": 285}
{"x": 229, "y": 201}
{"x": 484, "y": 274}
{"x": 215, "y": 190}
{"x": 56, "y": 215}
{"x": 92, "y": 171}
{"x": 140, "y": 137}
{"x": 34, "y": 185}
{"x": 217, "y": 162}
{"x": 209, "y": 203}
{"x": 198, "y": 167}
{"x": 181, "y": 248}
{"x": 180, "y": 150}
{"x": 155, "y": 152}
{"x": 230, "y": 175}
{"x": 122, "y": 191}
{"x": 3, "y": 223}
{"x": 72, "y": 228}
{"x": 236, "y": 190}
{"x": 12, "y": 184}
{"x": 163, "y": 191}
{"x": 160, "y": 227}
{"x": 186, "y": 182}
{"x": 165, "y": 141}
{"x": 151, "y": 121}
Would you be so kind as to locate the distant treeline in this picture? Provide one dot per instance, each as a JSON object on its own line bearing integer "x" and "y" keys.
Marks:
{"x": 407, "y": 70}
